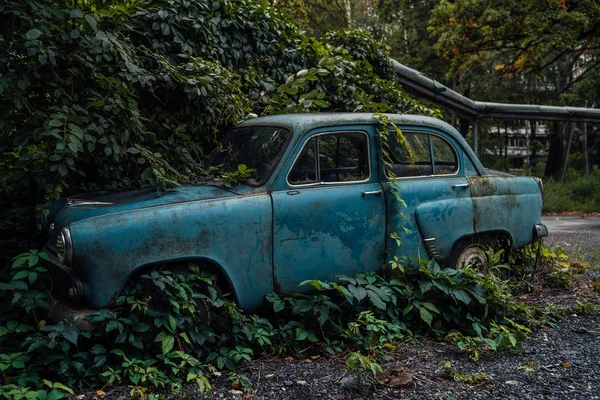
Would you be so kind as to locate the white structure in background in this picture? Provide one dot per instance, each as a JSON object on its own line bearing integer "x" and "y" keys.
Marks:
{"x": 520, "y": 144}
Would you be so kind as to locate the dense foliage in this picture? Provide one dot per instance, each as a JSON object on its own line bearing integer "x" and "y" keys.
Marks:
{"x": 173, "y": 327}
{"x": 136, "y": 94}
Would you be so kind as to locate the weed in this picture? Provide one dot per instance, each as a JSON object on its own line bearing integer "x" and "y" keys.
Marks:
{"x": 241, "y": 382}
{"x": 529, "y": 368}
{"x": 470, "y": 379}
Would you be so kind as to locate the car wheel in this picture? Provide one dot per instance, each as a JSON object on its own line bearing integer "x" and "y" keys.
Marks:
{"x": 470, "y": 253}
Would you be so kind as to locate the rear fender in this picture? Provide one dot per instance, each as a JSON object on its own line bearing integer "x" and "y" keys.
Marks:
{"x": 511, "y": 204}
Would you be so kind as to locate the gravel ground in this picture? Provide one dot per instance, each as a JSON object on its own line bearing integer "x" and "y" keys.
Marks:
{"x": 565, "y": 362}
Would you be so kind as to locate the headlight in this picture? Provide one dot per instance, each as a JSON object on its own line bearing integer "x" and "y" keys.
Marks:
{"x": 64, "y": 247}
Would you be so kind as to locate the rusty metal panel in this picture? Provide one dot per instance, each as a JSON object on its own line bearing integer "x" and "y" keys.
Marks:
{"x": 509, "y": 204}
{"x": 325, "y": 231}
{"x": 233, "y": 232}
{"x": 435, "y": 209}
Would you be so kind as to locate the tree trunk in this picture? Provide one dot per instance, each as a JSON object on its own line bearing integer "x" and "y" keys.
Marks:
{"x": 533, "y": 155}
{"x": 505, "y": 140}
{"x": 571, "y": 126}
{"x": 348, "y": 7}
{"x": 556, "y": 151}
{"x": 585, "y": 150}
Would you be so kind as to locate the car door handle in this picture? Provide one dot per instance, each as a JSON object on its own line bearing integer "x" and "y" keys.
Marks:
{"x": 461, "y": 185}
{"x": 374, "y": 193}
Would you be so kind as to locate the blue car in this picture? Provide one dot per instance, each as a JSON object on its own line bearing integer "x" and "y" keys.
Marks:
{"x": 320, "y": 202}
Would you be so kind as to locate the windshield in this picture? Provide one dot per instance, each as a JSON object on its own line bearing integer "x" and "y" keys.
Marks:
{"x": 256, "y": 147}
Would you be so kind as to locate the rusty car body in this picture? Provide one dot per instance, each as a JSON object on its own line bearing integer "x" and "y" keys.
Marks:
{"x": 319, "y": 205}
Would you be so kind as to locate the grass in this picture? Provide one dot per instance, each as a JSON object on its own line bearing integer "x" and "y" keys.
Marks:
{"x": 576, "y": 193}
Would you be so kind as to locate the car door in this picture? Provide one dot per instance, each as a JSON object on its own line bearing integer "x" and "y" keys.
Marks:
{"x": 329, "y": 216}
{"x": 438, "y": 209}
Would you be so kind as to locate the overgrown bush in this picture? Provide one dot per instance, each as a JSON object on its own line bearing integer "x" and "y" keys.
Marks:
{"x": 128, "y": 94}
{"x": 171, "y": 328}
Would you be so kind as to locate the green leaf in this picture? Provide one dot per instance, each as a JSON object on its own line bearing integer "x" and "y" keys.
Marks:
{"x": 376, "y": 300}
{"x": 75, "y": 130}
{"x": 303, "y": 306}
{"x": 92, "y": 21}
{"x": 461, "y": 295}
{"x": 20, "y": 275}
{"x": 98, "y": 349}
{"x": 431, "y": 307}
{"x": 425, "y": 286}
{"x": 58, "y": 385}
{"x": 55, "y": 395}
{"x": 426, "y": 315}
{"x": 76, "y": 13}
{"x": 62, "y": 169}
{"x": 33, "y": 34}
{"x": 141, "y": 327}
{"x": 172, "y": 322}
{"x": 167, "y": 344}
{"x": 71, "y": 335}
{"x": 359, "y": 293}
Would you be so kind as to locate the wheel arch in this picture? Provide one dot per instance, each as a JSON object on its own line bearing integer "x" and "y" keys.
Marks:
{"x": 208, "y": 264}
{"x": 501, "y": 238}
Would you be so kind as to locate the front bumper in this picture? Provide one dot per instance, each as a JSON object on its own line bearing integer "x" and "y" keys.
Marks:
{"x": 63, "y": 283}
{"x": 63, "y": 280}
{"x": 60, "y": 311}
{"x": 539, "y": 231}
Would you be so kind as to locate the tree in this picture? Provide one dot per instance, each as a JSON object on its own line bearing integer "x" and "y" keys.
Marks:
{"x": 556, "y": 42}
{"x": 317, "y": 17}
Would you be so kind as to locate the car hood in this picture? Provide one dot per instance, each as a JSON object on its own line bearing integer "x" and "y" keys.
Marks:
{"x": 81, "y": 207}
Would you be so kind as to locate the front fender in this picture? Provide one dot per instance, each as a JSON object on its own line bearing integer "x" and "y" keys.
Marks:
{"x": 234, "y": 233}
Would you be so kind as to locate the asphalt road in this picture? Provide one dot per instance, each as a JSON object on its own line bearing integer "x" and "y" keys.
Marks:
{"x": 579, "y": 236}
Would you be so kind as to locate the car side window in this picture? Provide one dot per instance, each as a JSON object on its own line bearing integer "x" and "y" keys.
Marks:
{"x": 444, "y": 156}
{"x": 422, "y": 146}
{"x": 418, "y": 144}
{"x": 341, "y": 157}
{"x": 304, "y": 171}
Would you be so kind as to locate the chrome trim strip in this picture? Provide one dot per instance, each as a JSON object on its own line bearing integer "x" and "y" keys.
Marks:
{"x": 76, "y": 203}
{"x": 430, "y": 245}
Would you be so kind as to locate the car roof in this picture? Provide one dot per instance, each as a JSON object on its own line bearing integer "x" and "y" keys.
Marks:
{"x": 301, "y": 123}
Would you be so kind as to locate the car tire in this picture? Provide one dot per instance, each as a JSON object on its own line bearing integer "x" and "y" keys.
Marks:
{"x": 470, "y": 251}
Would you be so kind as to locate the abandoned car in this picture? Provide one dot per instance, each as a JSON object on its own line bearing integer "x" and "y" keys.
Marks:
{"x": 320, "y": 203}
